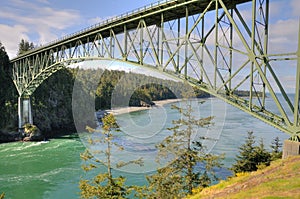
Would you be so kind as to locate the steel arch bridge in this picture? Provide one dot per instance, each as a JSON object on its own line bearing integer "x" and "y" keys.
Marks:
{"x": 179, "y": 37}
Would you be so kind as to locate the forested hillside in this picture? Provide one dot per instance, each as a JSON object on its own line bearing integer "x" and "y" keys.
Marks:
{"x": 52, "y": 100}
{"x": 8, "y": 93}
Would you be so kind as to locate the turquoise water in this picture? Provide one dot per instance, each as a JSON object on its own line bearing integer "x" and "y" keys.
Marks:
{"x": 52, "y": 170}
{"x": 41, "y": 170}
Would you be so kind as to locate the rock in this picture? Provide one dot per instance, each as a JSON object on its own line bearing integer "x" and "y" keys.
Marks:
{"x": 146, "y": 104}
{"x": 32, "y": 133}
{"x": 36, "y": 137}
{"x": 9, "y": 137}
{"x": 26, "y": 139}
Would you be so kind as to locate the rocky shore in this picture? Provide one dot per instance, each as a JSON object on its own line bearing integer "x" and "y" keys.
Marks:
{"x": 9, "y": 136}
{"x": 32, "y": 133}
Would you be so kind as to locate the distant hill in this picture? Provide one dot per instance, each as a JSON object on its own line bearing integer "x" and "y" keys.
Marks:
{"x": 280, "y": 180}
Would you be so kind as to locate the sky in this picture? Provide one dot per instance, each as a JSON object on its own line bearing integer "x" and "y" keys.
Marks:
{"x": 42, "y": 21}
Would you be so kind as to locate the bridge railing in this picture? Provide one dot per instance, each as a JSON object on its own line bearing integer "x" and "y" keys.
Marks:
{"x": 103, "y": 23}
{"x": 111, "y": 20}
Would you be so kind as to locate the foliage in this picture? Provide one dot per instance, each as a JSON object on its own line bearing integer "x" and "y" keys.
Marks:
{"x": 30, "y": 129}
{"x": 182, "y": 174}
{"x": 262, "y": 156}
{"x": 104, "y": 185}
{"x": 52, "y": 103}
{"x": 2, "y": 195}
{"x": 134, "y": 87}
{"x": 280, "y": 180}
{"x": 8, "y": 92}
{"x": 4, "y": 60}
{"x": 250, "y": 156}
{"x": 276, "y": 152}
{"x": 54, "y": 96}
{"x": 52, "y": 100}
{"x": 24, "y": 46}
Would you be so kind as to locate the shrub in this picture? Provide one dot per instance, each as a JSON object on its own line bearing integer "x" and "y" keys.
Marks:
{"x": 251, "y": 157}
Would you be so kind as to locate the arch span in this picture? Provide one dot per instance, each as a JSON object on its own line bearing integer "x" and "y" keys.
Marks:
{"x": 221, "y": 57}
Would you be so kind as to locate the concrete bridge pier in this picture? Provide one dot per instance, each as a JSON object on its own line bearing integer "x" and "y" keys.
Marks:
{"x": 290, "y": 148}
{"x": 24, "y": 112}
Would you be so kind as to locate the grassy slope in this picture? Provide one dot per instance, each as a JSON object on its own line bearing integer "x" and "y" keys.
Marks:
{"x": 280, "y": 180}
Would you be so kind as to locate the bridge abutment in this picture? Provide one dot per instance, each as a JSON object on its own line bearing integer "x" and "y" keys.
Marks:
{"x": 290, "y": 148}
{"x": 24, "y": 112}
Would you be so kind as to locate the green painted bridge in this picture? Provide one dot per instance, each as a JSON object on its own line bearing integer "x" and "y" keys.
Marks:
{"x": 207, "y": 43}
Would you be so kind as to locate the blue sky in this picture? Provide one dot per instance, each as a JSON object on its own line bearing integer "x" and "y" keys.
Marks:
{"x": 42, "y": 21}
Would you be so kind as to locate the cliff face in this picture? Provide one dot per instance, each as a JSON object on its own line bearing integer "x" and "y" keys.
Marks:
{"x": 52, "y": 104}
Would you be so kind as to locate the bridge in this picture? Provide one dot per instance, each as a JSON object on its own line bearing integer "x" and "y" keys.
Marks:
{"x": 177, "y": 37}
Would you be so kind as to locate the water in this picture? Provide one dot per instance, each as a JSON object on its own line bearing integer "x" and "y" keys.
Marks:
{"x": 41, "y": 170}
{"x": 53, "y": 170}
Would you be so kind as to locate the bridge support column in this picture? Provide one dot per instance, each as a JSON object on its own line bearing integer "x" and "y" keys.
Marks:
{"x": 24, "y": 112}
{"x": 290, "y": 148}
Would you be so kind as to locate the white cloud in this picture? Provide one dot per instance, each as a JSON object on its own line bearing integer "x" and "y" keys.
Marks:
{"x": 9, "y": 37}
{"x": 95, "y": 20}
{"x": 284, "y": 35}
{"x": 33, "y": 18}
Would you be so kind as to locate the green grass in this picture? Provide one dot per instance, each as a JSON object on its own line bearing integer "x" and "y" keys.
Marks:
{"x": 280, "y": 180}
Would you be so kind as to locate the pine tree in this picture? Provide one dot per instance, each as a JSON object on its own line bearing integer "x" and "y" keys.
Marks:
{"x": 244, "y": 161}
{"x": 25, "y": 46}
{"x": 251, "y": 157}
{"x": 276, "y": 152}
{"x": 182, "y": 174}
{"x": 7, "y": 93}
{"x": 104, "y": 185}
{"x": 261, "y": 156}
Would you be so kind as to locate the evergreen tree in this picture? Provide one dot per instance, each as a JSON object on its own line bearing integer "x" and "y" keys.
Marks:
{"x": 250, "y": 156}
{"x": 24, "y": 46}
{"x": 4, "y": 60}
{"x": 182, "y": 174}
{"x": 52, "y": 104}
{"x": 262, "y": 156}
{"x": 276, "y": 152}
{"x": 104, "y": 185}
{"x": 245, "y": 159}
{"x": 7, "y": 92}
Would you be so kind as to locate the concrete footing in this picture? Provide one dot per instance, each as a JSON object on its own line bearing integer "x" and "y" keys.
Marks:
{"x": 24, "y": 112}
{"x": 290, "y": 148}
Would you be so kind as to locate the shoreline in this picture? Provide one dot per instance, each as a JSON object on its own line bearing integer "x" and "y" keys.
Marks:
{"x": 12, "y": 136}
{"x": 130, "y": 109}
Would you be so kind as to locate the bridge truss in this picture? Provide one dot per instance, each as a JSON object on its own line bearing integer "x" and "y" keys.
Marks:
{"x": 205, "y": 42}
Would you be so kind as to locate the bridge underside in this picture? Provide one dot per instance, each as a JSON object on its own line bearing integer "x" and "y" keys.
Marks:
{"x": 205, "y": 42}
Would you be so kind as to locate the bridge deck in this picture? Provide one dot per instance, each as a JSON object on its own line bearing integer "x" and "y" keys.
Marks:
{"x": 171, "y": 9}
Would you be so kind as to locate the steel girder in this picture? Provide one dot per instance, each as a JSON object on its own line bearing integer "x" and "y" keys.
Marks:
{"x": 220, "y": 56}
